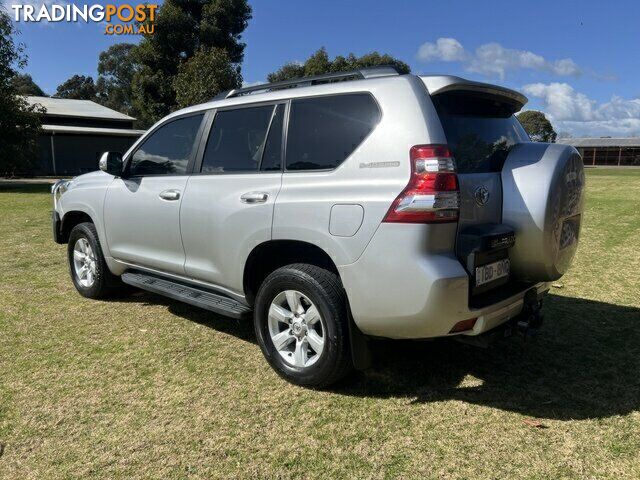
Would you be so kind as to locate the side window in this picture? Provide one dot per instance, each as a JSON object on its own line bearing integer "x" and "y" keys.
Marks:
{"x": 324, "y": 131}
{"x": 168, "y": 150}
{"x": 272, "y": 156}
{"x": 236, "y": 140}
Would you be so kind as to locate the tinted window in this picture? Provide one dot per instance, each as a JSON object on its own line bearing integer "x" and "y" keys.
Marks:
{"x": 480, "y": 131}
{"x": 324, "y": 131}
{"x": 236, "y": 140}
{"x": 168, "y": 150}
{"x": 272, "y": 157}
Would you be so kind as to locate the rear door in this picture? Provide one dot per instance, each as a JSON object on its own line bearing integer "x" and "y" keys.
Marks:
{"x": 227, "y": 209}
{"x": 481, "y": 130}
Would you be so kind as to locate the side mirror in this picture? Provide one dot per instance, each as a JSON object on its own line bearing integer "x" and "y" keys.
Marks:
{"x": 111, "y": 162}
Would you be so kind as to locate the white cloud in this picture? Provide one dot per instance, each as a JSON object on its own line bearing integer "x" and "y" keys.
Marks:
{"x": 445, "y": 49}
{"x": 494, "y": 60}
{"x": 562, "y": 102}
{"x": 576, "y": 113}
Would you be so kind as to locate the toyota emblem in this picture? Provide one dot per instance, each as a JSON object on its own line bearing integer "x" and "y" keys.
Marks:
{"x": 481, "y": 195}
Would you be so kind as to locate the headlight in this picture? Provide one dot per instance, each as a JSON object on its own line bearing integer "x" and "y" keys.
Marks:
{"x": 58, "y": 189}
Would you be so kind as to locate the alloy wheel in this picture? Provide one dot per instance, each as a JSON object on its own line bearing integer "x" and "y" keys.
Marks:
{"x": 296, "y": 328}
{"x": 84, "y": 263}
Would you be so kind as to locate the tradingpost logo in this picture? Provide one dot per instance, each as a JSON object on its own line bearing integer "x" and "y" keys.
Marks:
{"x": 123, "y": 19}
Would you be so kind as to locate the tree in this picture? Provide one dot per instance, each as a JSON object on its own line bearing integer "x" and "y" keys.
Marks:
{"x": 183, "y": 28}
{"x": 19, "y": 121}
{"x": 116, "y": 67}
{"x": 319, "y": 63}
{"x": 77, "y": 87}
{"x": 537, "y": 126}
{"x": 24, "y": 85}
{"x": 204, "y": 75}
{"x": 287, "y": 72}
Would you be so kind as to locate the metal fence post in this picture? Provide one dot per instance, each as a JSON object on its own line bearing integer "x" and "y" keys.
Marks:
{"x": 53, "y": 154}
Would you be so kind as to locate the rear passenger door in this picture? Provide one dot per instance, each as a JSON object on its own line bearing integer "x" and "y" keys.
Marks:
{"x": 325, "y": 196}
{"x": 227, "y": 209}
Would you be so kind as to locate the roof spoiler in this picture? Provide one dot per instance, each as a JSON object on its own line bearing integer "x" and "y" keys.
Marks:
{"x": 438, "y": 84}
{"x": 361, "y": 74}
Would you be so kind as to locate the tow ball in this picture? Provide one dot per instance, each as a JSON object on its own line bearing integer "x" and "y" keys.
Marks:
{"x": 531, "y": 317}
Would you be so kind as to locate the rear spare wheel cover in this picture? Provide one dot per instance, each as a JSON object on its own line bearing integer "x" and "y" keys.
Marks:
{"x": 543, "y": 197}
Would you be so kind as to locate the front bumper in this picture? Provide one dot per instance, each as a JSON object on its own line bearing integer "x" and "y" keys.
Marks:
{"x": 57, "y": 189}
{"x": 56, "y": 226}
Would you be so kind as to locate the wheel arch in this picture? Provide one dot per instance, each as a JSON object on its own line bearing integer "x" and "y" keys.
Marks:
{"x": 273, "y": 254}
{"x": 70, "y": 220}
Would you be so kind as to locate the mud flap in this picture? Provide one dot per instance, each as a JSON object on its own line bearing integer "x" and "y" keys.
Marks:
{"x": 360, "y": 350}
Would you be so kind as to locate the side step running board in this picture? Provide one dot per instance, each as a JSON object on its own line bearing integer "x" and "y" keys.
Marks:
{"x": 186, "y": 293}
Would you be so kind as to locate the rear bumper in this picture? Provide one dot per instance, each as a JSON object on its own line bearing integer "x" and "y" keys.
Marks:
{"x": 406, "y": 285}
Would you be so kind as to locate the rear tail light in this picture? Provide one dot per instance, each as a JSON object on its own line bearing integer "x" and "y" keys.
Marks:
{"x": 432, "y": 194}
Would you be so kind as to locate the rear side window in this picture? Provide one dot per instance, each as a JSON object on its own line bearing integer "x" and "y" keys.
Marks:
{"x": 324, "y": 131}
{"x": 236, "y": 140}
{"x": 167, "y": 151}
{"x": 480, "y": 131}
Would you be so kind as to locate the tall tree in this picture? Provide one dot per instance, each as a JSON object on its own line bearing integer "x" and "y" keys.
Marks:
{"x": 116, "y": 67}
{"x": 538, "y": 126}
{"x": 319, "y": 63}
{"x": 24, "y": 85}
{"x": 77, "y": 87}
{"x": 182, "y": 28}
{"x": 19, "y": 121}
{"x": 204, "y": 75}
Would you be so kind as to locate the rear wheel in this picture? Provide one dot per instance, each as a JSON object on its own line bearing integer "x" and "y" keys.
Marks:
{"x": 89, "y": 271}
{"x": 301, "y": 324}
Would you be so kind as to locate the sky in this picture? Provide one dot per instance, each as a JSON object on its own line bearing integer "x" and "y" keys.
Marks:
{"x": 578, "y": 61}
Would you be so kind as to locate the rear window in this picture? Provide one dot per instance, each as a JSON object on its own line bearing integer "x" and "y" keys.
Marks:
{"x": 480, "y": 131}
{"x": 324, "y": 131}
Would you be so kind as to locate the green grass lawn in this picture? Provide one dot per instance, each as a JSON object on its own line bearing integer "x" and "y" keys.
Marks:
{"x": 143, "y": 387}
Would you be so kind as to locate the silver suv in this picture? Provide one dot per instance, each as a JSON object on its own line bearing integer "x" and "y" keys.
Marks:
{"x": 334, "y": 209}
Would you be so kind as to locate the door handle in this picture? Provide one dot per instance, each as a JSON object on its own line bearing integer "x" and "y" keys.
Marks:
{"x": 254, "y": 197}
{"x": 170, "y": 194}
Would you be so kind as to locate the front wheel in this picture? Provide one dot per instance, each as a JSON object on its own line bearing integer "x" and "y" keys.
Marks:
{"x": 89, "y": 271}
{"x": 301, "y": 324}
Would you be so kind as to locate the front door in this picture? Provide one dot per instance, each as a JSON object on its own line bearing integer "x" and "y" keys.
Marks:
{"x": 142, "y": 210}
{"x": 228, "y": 204}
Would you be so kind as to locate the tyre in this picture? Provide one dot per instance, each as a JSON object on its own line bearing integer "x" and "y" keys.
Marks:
{"x": 301, "y": 323}
{"x": 89, "y": 272}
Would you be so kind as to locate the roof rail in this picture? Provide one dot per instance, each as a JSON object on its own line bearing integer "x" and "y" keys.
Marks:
{"x": 363, "y": 73}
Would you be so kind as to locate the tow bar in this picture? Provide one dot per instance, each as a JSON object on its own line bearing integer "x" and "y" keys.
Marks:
{"x": 531, "y": 317}
{"x": 526, "y": 323}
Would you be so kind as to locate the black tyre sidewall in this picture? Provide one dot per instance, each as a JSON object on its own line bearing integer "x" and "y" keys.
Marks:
{"x": 332, "y": 309}
{"x": 102, "y": 285}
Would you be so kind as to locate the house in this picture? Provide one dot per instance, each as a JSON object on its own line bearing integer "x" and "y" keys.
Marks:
{"x": 76, "y": 132}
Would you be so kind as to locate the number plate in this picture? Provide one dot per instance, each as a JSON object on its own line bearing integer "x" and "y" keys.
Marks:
{"x": 492, "y": 271}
